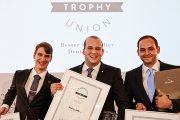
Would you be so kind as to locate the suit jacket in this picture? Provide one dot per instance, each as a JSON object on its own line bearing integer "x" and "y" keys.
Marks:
{"x": 36, "y": 110}
{"x": 111, "y": 76}
{"x": 136, "y": 91}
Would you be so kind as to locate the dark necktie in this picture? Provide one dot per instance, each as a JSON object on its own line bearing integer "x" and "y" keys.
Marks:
{"x": 151, "y": 84}
{"x": 89, "y": 72}
{"x": 33, "y": 88}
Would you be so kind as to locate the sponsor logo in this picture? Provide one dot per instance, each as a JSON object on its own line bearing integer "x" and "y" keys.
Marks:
{"x": 86, "y": 24}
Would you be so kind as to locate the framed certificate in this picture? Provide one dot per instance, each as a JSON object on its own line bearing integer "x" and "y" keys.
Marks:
{"x": 150, "y": 115}
{"x": 81, "y": 99}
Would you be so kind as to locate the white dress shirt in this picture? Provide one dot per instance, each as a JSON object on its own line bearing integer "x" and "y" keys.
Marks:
{"x": 145, "y": 74}
{"x": 31, "y": 78}
{"x": 94, "y": 72}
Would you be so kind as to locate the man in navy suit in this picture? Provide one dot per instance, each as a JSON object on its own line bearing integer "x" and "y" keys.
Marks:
{"x": 21, "y": 85}
{"x": 136, "y": 80}
{"x": 93, "y": 52}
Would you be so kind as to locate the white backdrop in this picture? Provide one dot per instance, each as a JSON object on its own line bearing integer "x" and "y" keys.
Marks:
{"x": 25, "y": 23}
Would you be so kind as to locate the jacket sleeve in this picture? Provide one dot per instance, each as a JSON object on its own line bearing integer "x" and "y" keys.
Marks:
{"x": 11, "y": 94}
{"x": 176, "y": 105}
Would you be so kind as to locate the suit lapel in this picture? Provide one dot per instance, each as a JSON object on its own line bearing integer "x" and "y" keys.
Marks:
{"x": 162, "y": 66}
{"x": 23, "y": 79}
{"x": 47, "y": 81}
{"x": 79, "y": 69}
{"x": 140, "y": 84}
{"x": 101, "y": 72}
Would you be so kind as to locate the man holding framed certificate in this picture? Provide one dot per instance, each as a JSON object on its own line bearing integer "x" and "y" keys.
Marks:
{"x": 140, "y": 81}
{"x": 31, "y": 87}
{"x": 93, "y": 67}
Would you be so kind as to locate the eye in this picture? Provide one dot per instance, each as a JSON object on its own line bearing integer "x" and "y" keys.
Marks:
{"x": 89, "y": 48}
{"x": 47, "y": 56}
{"x": 151, "y": 48}
{"x": 40, "y": 54}
{"x": 98, "y": 48}
{"x": 142, "y": 50}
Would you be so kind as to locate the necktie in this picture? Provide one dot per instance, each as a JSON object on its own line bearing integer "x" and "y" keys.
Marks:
{"x": 33, "y": 88}
{"x": 89, "y": 72}
{"x": 151, "y": 84}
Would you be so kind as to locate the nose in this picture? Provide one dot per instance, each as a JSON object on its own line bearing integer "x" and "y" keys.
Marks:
{"x": 146, "y": 52}
{"x": 43, "y": 58}
{"x": 93, "y": 50}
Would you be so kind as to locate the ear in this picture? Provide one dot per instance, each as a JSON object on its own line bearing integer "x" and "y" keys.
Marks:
{"x": 34, "y": 56}
{"x": 102, "y": 51}
{"x": 158, "y": 49}
{"x": 51, "y": 58}
{"x": 138, "y": 52}
{"x": 83, "y": 52}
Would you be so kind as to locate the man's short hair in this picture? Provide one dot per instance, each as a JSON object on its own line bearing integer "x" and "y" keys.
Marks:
{"x": 148, "y": 36}
{"x": 95, "y": 37}
{"x": 47, "y": 47}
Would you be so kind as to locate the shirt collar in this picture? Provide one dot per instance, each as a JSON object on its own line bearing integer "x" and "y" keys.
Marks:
{"x": 42, "y": 75}
{"x": 155, "y": 67}
{"x": 96, "y": 68}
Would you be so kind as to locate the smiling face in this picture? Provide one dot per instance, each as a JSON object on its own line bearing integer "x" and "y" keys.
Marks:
{"x": 93, "y": 51}
{"x": 42, "y": 56}
{"x": 148, "y": 51}
{"x": 42, "y": 60}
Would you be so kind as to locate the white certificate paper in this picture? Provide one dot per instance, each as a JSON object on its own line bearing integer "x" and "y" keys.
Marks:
{"x": 82, "y": 98}
{"x": 150, "y": 115}
{"x": 10, "y": 116}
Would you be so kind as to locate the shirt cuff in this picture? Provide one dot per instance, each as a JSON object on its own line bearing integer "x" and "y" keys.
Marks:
{"x": 5, "y": 105}
{"x": 171, "y": 107}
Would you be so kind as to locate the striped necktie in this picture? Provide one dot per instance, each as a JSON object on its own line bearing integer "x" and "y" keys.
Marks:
{"x": 89, "y": 72}
{"x": 33, "y": 88}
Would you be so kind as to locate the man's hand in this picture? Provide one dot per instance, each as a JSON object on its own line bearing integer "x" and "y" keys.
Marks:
{"x": 3, "y": 110}
{"x": 162, "y": 101}
{"x": 140, "y": 106}
{"x": 55, "y": 87}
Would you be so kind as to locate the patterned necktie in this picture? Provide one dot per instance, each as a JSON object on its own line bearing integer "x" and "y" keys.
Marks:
{"x": 89, "y": 72}
{"x": 33, "y": 88}
{"x": 151, "y": 84}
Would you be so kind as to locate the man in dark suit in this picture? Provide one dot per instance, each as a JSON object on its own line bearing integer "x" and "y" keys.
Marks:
{"x": 36, "y": 108}
{"x": 136, "y": 80}
{"x": 93, "y": 52}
